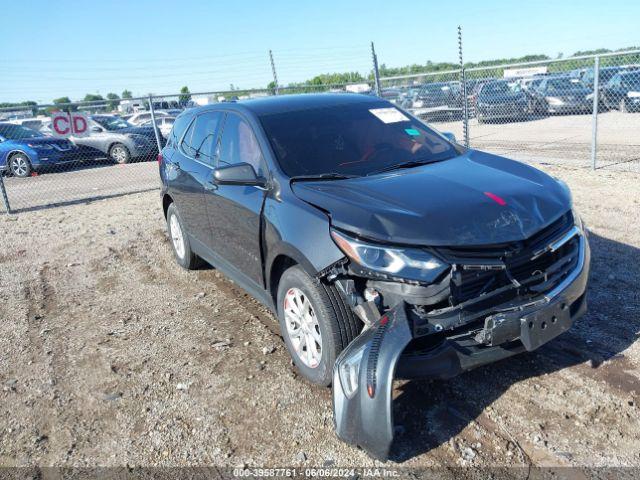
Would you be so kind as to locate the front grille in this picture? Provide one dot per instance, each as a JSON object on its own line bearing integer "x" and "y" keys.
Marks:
{"x": 484, "y": 269}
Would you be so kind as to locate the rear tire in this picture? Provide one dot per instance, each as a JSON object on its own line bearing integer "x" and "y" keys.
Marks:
{"x": 331, "y": 320}
{"x": 180, "y": 240}
{"x": 20, "y": 165}
{"x": 119, "y": 153}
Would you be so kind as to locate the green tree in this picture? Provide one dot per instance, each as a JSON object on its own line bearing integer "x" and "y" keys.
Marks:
{"x": 185, "y": 96}
{"x": 126, "y": 94}
{"x": 114, "y": 101}
{"x": 62, "y": 101}
{"x": 91, "y": 97}
{"x": 33, "y": 106}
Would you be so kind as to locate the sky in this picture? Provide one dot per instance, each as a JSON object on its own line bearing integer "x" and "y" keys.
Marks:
{"x": 69, "y": 48}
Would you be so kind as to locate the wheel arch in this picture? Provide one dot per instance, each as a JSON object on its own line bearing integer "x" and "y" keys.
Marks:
{"x": 17, "y": 150}
{"x": 287, "y": 257}
{"x": 167, "y": 200}
{"x": 9, "y": 155}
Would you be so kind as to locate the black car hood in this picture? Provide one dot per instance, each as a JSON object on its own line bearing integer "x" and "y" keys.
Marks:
{"x": 473, "y": 199}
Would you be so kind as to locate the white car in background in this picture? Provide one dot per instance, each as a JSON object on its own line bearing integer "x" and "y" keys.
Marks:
{"x": 164, "y": 123}
{"x": 139, "y": 118}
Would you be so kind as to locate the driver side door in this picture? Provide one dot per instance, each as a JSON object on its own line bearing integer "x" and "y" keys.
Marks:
{"x": 235, "y": 211}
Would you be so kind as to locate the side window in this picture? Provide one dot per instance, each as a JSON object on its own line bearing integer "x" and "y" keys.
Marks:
{"x": 201, "y": 138}
{"x": 239, "y": 144}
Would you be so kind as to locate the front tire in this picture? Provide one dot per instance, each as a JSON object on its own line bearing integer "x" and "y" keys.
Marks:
{"x": 20, "y": 165}
{"x": 119, "y": 153}
{"x": 180, "y": 240}
{"x": 315, "y": 322}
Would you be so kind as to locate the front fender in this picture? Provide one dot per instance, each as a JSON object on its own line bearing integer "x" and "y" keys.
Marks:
{"x": 366, "y": 419}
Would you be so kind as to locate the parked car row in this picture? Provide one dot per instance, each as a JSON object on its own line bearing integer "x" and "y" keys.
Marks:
{"x": 493, "y": 99}
{"x": 24, "y": 150}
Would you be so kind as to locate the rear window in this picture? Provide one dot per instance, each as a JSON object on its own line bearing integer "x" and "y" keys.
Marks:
{"x": 351, "y": 139}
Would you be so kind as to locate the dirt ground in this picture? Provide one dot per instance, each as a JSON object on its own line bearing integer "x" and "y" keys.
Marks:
{"x": 111, "y": 355}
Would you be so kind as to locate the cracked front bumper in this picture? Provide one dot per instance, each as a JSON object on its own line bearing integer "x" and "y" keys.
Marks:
{"x": 364, "y": 417}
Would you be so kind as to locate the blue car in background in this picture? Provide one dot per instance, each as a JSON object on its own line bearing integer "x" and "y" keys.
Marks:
{"x": 23, "y": 150}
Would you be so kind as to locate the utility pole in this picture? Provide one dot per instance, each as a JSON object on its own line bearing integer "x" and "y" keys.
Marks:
{"x": 376, "y": 73}
{"x": 273, "y": 69}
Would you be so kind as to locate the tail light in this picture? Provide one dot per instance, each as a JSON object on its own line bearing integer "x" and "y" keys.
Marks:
{"x": 159, "y": 158}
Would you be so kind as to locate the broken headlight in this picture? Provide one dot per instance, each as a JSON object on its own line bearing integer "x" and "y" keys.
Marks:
{"x": 349, "y": 371}
{"x": 409, "y": 263}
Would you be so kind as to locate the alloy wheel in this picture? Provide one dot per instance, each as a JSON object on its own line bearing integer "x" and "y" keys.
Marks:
{"x": 176, "y": 236}
{"x": 303, "y": 327}
{"x": 119, "y": 154}
{"x": 19, "y": 165}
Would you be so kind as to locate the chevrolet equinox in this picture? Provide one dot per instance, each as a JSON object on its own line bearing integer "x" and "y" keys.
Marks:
{"x": 385, "y": 249}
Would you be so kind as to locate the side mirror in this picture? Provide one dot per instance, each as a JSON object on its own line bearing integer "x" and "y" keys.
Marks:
{"x": 238, "y": 174}
{"x": 450, "y": 136}
{"x": 2, "y": 139}
{"x": 96, "y": 129}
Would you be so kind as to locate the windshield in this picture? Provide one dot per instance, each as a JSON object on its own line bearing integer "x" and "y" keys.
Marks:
{"x": 561, "y": 84}
{"x": 607, "y": 74}
{"x": 111, "y": 123}
{"x": 631, "y": 80}
{"x": 436, "y": 89}
{"x": 351, "y": 139}
{"x": 496, "y": 88}
{"x": 17, "y": 132}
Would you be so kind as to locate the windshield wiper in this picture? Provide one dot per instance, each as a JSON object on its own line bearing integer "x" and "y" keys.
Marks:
{"x": 324, "y": 176}
{"x": 409, "y": 164}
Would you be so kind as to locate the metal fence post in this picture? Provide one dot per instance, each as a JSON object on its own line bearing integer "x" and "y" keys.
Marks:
{"x": 273, "y": 70}
{"x": 594, "y": 117}
{"x": 463, "y": 81}
{"x": 153, "y": 122}
{"x": 5, "y": 198}
{"x": 376, "y": 73}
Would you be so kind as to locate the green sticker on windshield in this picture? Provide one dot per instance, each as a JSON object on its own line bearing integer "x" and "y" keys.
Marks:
{"x": 412, "y": 131}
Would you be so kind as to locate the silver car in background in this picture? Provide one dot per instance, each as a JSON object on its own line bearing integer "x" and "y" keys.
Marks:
{"x": 111, "y": 136}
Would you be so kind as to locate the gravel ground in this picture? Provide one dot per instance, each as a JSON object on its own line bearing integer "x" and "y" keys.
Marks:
{"x": 112, "y": 355}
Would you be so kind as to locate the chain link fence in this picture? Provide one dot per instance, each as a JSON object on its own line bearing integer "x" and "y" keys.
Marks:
{"x": 576, "y": 111}
{"x": 580, "y": 111}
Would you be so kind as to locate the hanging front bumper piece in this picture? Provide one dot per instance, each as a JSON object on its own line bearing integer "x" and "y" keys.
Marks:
{"x": 364, "y": 372}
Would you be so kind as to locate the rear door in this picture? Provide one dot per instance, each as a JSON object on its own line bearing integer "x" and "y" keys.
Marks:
{"x": 235, "y": 210}
{"x": 192, "y": 164}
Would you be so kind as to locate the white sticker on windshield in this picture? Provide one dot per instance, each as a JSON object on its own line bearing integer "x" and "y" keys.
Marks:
{"x": 389, "y": 115}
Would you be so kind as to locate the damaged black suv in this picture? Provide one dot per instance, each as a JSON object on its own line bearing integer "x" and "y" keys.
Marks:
{"x": 385, "y": 249}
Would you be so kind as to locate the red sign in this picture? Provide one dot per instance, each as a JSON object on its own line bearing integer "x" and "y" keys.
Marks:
{"x": 69, "y": 124}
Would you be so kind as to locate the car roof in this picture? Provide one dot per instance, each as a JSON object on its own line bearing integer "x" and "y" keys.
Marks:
{"x": 291, "y": 103}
